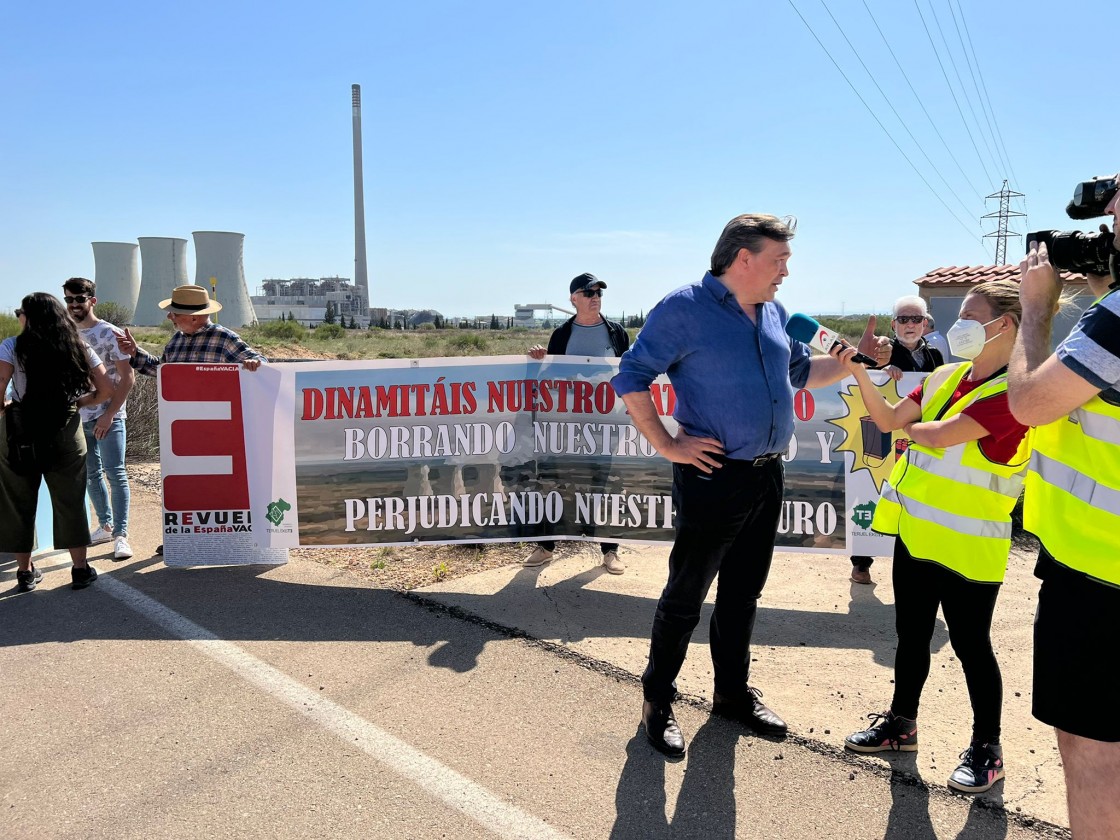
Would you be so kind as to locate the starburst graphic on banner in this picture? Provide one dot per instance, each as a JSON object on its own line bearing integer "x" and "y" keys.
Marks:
{"x": 874, "y": 451}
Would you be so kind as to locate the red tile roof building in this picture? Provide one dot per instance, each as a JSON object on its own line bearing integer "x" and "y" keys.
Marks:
{"x": 957, "y": 277}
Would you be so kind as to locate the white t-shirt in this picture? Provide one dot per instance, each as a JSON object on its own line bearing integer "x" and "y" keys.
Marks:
{"x": 19, "y": 378}
{"x": 102, "y": 338}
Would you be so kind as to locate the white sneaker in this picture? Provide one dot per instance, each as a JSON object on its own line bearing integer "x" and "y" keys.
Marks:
{"x": 101, "y": 535}
{"x": 612, "y": 564}
{"x": 122, "y": 550}
{"x": 539, "y": 557}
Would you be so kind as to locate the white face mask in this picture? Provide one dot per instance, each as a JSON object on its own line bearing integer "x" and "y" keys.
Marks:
{"x": 966, "y": 338}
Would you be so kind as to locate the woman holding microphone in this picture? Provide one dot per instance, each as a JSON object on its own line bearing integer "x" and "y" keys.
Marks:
{"x": 948, "y": 503}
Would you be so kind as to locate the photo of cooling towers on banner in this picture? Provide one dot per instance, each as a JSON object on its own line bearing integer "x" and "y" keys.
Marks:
{"x": 510, "y": 449}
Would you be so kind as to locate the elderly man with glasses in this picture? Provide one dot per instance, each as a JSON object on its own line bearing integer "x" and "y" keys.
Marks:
{"x": 910, "y": 353}
{"x": 587, "y": 333}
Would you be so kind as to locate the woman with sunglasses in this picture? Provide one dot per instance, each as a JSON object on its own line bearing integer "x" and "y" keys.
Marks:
{"x": 948, "y": 503}
{"x": 53, "y": 373}
{"x": 910, "y": 353}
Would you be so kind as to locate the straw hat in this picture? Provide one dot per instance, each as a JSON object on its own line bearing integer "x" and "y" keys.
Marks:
{"x": 190, "y": 300}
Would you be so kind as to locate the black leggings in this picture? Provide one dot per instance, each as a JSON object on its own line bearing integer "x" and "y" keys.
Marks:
{"x": 920, "y": 586}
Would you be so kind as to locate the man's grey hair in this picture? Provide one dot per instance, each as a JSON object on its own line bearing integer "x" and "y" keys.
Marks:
{"x": 750, "y": 231}
{"x": 911, "y": 300}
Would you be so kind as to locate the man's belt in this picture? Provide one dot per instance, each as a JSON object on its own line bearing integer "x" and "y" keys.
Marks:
{"x": 763, "y": 460}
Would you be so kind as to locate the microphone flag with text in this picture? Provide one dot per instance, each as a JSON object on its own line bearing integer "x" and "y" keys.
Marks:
{"x": 808, "y": 331}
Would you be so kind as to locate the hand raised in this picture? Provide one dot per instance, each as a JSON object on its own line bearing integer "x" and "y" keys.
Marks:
{"x": 127, "y": 343}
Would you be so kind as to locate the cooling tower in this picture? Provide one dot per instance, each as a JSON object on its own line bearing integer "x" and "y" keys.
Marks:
{"x": 163, "y": 266}
{"x": 116, "y": 272}
{"x": 220, "y": 255}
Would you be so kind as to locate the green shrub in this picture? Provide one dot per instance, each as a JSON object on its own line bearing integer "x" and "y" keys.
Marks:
{"x": 9, "y": 325}
{"x": 286, "y": 330}
{"x": 468, "y": 341}
{"x": 113, "y": 312}
{"x": 325, "y": 332}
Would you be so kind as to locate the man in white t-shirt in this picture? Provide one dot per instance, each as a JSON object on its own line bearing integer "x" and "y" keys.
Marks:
{"x": 104, "y": 424}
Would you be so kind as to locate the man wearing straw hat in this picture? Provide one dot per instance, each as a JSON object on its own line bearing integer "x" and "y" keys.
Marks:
{"x": 196, "y": 338}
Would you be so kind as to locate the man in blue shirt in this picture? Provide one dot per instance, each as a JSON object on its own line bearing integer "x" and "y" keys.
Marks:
{"x": 723, "y": 344}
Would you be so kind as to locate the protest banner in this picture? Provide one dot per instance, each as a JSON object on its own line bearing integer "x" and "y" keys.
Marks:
{"x": 481, "y": 449}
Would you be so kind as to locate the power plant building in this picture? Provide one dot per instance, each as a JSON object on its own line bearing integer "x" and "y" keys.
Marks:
{"x": 306, "y": 299}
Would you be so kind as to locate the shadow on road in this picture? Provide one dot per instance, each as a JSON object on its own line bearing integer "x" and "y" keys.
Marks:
{"x": 242, "y": 603}
{"x": 706, "y": 804}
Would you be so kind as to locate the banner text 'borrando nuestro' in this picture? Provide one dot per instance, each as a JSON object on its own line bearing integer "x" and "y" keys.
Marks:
{"x": 427, "y": 436}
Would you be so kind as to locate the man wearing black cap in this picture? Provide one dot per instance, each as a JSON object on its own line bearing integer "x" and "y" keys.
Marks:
{"x": 587, "y": 333}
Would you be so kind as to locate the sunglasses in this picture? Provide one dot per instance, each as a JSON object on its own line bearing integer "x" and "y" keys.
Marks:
{"x": 591, "y": 293}
{"x": 909, "y": 319}
{"x": 75, "y": 298}
{"x": 19, "y": 313}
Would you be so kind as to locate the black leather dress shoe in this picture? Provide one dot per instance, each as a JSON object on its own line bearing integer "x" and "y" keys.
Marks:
{"x": 750, "y": 710}
{"x": 661, "y": 728}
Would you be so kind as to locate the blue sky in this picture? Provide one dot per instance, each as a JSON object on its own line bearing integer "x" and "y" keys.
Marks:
{"x": 510, "y": 146}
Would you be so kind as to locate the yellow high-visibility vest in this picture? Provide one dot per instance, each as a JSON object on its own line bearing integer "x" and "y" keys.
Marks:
{"x": 953, "y": 505}
{"x": 1072, "y": 501}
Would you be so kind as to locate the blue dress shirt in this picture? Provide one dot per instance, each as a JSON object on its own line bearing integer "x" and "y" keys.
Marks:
{"x": 734, "y": 380}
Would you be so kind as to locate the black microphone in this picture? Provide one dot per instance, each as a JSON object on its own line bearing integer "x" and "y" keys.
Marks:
{"x": 808, "y": 331}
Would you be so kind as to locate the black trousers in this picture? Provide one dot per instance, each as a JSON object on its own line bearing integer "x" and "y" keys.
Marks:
{"x": 726, "y": 522}
{"x": 920, "y": 586}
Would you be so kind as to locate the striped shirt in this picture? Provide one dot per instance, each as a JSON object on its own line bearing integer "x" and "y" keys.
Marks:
{"x": 1092, "y": 350}
{"x": 213, "y": 344}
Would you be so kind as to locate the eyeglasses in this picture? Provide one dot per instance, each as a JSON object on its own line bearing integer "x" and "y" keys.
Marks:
{"x": 19, "y": 313}
{"x": 909, "y": 319}
{"x": 591, "y": 293}
{"x": 75, "y": 298}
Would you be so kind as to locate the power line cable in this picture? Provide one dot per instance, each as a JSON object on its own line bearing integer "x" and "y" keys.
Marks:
{"x": 890, "y": 105}
{"x": 976, "y": 86}
{"x": 964, "y": 90}
{"x": 883, "y": 127}
{"x": 952, "y": 92}
{"x": 983, "y": 85}
{"x": 921, "y": 104}
{"x": 985, "y": 103}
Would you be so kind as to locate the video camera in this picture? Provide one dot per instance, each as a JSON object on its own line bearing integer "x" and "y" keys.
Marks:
{"x": 1074, "y": 250}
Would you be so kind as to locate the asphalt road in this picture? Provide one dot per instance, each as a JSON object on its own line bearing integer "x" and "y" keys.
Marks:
{"x": 296, "y": 701}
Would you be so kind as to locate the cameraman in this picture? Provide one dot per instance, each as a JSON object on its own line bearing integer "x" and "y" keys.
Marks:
{"x": 1072, "y": 504}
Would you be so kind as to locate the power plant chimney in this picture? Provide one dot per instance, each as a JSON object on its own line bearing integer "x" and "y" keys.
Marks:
{"x": 361, "y": 279}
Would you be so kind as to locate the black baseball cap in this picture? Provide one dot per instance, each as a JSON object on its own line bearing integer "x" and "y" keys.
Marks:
{"x": 585, "y": 281}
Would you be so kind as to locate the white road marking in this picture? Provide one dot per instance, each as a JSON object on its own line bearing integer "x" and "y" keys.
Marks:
{"x": 439, "y": 781}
